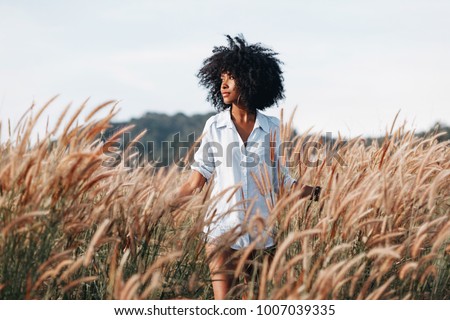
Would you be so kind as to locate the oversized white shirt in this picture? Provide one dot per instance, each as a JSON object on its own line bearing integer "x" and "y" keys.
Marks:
{"x": 232, "y": 167}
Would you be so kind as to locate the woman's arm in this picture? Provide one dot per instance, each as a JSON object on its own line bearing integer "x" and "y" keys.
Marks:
{"x": 195, "y": 182}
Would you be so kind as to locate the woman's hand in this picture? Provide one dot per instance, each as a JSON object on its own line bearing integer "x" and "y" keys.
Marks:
{"x": 309, "y": 191}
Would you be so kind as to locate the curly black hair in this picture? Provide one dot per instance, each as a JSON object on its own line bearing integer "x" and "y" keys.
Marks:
{"x": 256, "y": 70}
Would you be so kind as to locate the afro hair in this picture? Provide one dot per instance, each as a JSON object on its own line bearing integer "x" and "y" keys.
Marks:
{"x": 256, "y": 70}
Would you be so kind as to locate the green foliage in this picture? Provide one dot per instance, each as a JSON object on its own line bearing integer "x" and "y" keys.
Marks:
{"x": 160, "y": 131}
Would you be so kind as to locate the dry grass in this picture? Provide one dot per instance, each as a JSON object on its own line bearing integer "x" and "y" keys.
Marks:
{"x": 73, "y": 228}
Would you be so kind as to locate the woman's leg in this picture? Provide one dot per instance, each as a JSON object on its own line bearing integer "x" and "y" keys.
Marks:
{"x": 221, "y": 267}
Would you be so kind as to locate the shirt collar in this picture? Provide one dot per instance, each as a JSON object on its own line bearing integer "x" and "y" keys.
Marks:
{"x": 224, "y": 120}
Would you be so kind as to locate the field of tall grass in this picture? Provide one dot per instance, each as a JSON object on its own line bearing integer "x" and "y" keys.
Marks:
{"x": 72, "y": 227}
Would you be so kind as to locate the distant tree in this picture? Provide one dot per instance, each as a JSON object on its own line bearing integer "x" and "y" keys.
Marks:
{"x": 162, "y": 131}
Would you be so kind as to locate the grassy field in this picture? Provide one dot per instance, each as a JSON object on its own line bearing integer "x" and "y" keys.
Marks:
{"x": 73, "y": 228}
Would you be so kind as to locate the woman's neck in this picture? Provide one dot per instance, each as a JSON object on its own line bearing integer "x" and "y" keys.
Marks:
{"x": 242, "y": 114}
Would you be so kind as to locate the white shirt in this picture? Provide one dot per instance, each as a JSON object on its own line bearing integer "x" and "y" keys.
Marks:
{"x": 225, "y": 161}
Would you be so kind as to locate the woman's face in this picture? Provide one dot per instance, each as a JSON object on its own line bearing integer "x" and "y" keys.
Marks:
{"x": 228, "y": 89}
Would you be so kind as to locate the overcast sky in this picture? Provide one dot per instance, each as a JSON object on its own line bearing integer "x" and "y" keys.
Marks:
{"x": 349, "y": 65}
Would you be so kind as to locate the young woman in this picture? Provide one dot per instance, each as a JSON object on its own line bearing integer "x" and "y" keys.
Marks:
{"x": 236, "y": 153}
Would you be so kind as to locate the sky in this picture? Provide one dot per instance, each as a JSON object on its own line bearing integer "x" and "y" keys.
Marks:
{"x": 349, "y": 65}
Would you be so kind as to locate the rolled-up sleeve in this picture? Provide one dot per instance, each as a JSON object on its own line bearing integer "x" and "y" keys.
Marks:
{"x": 204, "y": 156}
{"x": 288, "y": 180}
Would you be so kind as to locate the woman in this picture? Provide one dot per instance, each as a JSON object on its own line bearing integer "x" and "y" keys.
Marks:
{"x": 237, "y": 154}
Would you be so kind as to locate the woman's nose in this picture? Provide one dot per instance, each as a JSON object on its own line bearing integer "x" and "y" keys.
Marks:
{"x": 224, "y": 83}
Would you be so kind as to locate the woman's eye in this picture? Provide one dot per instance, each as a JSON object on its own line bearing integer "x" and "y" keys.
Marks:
{"x": 229, "y": 77}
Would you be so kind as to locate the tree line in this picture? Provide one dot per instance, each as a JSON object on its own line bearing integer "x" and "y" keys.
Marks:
{"x": 166, "y": 133}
